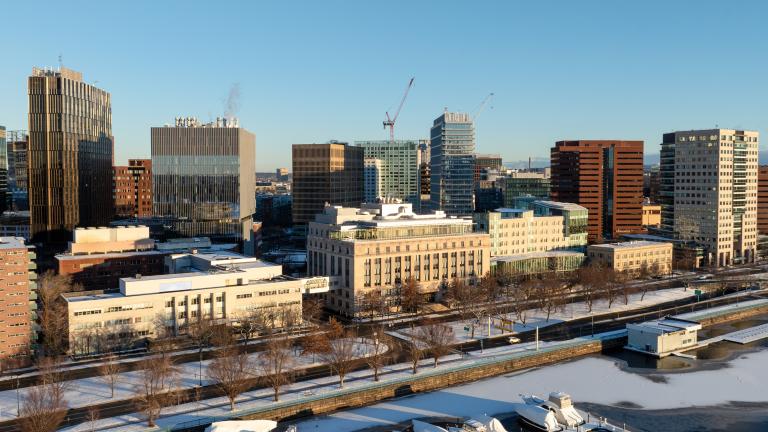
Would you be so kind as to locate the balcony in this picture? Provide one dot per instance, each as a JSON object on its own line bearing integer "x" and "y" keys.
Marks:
{"x": 31, "y": 255}
{"x": 33, "y": 295}
{"x": 32, "y": 266}
{"x": 32, "y": 276}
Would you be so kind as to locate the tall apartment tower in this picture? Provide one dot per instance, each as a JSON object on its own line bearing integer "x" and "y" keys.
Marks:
{"x": 399, "y": 167}
{"x": 452, "y": 159}
{"x": 709, "y": 192}
{"x": 762, "y": 200}
{"x": 18, "y": 184}
{"x": 606, "y": 177}
{"x": 325, "y": 174}
{"x": 3, "y": 171}
{"x": 17, "y": 301}
{"x": 70, "y": 154}
{"x": 132, "y": 187}
{"x": 203, "y": 179}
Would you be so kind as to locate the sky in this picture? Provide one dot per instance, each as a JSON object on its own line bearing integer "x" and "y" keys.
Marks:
{"x": 313, "y": 71}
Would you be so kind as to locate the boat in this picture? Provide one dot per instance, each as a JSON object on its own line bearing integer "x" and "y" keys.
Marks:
{"x": 482, "y": 423}
{"x": 420, "y": 426}
{"x": 242, "y": 426}
{"x": 557, "y": 414}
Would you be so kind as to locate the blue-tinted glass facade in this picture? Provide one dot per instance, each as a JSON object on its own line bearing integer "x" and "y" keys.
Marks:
{"x": 452, "y": 160}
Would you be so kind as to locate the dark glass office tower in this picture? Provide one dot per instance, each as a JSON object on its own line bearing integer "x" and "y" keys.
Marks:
{"x": 453, "y": 163}
{"x": 3, "y": 171}
{"x": 204, "y": 179}
{"x": 70, "y": 154}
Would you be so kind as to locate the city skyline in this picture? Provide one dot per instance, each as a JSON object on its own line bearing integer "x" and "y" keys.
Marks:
{"x": 558, "y": 73}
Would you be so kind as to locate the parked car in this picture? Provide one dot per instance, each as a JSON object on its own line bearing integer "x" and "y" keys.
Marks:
{"x": 513, "y": 340}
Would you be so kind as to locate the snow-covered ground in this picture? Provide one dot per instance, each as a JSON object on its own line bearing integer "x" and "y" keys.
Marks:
{"x": 462, "y": 329}
{"x": 93, "y": 390}
{"x": 593, "y": 379}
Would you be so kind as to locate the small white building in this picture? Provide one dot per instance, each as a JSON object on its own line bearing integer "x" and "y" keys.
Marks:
{"x": 662, "y": 337}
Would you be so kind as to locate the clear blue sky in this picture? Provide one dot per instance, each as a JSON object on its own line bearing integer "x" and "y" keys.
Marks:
{"x": 318, "y": 70}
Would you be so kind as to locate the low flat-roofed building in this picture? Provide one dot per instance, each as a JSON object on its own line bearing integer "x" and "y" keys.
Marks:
{"x": 537, "y": 263}
{"x": 633, "y": 255}
{"x": 662, "y": 337}
{"x": 379, "y": 246}
{"x": 221, "y": 286}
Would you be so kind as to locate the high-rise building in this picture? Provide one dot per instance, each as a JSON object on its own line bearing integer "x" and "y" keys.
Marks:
{"x": 70, "y": 154}
{"x": 709, "y": 192}
{"x": 3, "y": 171}
{"x": 18, "y": 184}
{"x": 203, "y": 179}
{"x": 132, "y": 187}
{"x": 762, "y": 200}
{"x": 524, "y": 184}
{"x": 17, "y": 300}
{"x": 452, "y": 159}
{"x": 485, "y": 162}
{"x": 372, "y": 190}
{"x": 399, "y": 167}
{"x": 606, "y": 177}
{"x": 325, "y": 174}
{"x": 281, "y": 174}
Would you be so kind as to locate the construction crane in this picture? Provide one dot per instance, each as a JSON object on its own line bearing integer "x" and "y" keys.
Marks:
{"x": 482, "y": 105}
{"x": 390, "y": 121}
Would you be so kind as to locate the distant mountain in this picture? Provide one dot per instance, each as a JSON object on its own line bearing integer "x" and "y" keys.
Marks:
{"x": 537, "y": 162}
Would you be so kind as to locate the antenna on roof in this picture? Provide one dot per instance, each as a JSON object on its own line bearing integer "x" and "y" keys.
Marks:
{"x": 61, "y": 61}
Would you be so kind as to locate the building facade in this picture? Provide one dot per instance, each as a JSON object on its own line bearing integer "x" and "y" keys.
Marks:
{"x": 762, "y": 200}
{"x": 606, "y": 177}
{"x": 486, "y": 162}
{"x": 633, "y": 255}
{"x": 203, "y": 179}
{"x": 399, "y": 172}
{"x": 17, "y": 301}
{"x": 132, "y": 186}
{"x": 378, "y": 247}
{"x": 651, "y": 215}
{"x": 372, "y": 171}
{"x": 452, "y": 163}
{"x": 325, "y": 173}
{"x": 70, "y": 154}
{"x": 537, "y": 263}
{"x": 222, "y": 287}
{"x": 709, "y": 192}
{"x": 4, "y": 195}
{"x": 524, "y": 184}
{"x": 18, "y": 183}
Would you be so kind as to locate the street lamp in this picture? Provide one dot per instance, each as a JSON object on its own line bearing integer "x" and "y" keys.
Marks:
{"x": 18, "y": 403}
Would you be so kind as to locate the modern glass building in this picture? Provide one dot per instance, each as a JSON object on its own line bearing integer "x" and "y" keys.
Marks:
{"x": 18, "y": 184}
{"x": 70, "y": 154}
{"x": 4, "y": 197}
{"x": 453, "y": 163}
{"x": 204, "y": 179}
{"x": 399, "y": 174}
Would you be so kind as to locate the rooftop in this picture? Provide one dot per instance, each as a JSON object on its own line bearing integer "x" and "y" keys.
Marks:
{"x": 12, "y": 243}
{"x": 559, "y": 205}
{"x": 629, "y": 244}
{"x": 548, "y": 254}
{"x": 667, "y": 325}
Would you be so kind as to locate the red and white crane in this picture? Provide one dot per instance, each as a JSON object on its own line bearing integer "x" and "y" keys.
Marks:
{"x": 390, "y": 121}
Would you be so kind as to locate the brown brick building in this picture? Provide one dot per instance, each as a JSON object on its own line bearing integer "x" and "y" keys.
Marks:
{"x": 325, "y": 173}
{"x": 606, "y": 177}
{"x": 132, "y": 186}
{"x": 486, "y": 161}
{"x": 17, "y": 300}
{"x": 762, "y": 200}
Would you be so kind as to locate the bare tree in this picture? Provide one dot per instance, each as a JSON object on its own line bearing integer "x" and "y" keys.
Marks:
{"x": 52, "y": 314}
{"x": 92, "y": 416}
{"x": 312, "y": 309}
{"x": 41, "y": 410}
{"x": 53, "y": 376}
{"x": 437, "y": 338}
{"x": 377, "y": 348}
{"x": 200, "y": 333}
{"x": 372, "y": 303}
{"x": 315, "y": 344}
{"x": 230, "y": 372}
{"x": 156, "y": 386}
{"x": 414, "y": 351}
{"x": 109, "y": 372}
{"x": 411, "y": 299}
{"x": 341, "y": 354}
{"x": 550, "y": 293}
{"x": 644, "y": 272}
{"x": 521, "y": 298}
{"x": 609, "y": 282}
{"x": 277, "y": 365}
{"x": 593, "y": 281}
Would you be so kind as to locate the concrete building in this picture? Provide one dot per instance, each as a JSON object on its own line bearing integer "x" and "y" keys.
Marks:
{"x": 709, "y": 192}
{"x": 651, "y": 215}
{"x": 486, "y": 162}
{"x": 15, "y": 224}
{"x": 379, "y": 246}
{"x": 518, "y": 232}
{"x": 520, "y": 184}
{"x": 633, "y": 255}
{"x": 662, "y": 337}
{"x": 221, "y": 286}
{"x": 203, "y": 179}
{"x": 762, "y": 200}
{"x": 70, "y": 154}
{"x": 132, "y": 189}
{"x": 17, "y": 301}
{"x": 4, "y": 195}
{"x": 399, "y": 171}
{"x": 281, "y": 174}
{"x": 606, "y": 177}
{"x": 18, "y": 180}
{"x": 325, "y": 174}
{"x": 372, "y": 172}
{"x": 452, "y": 162}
